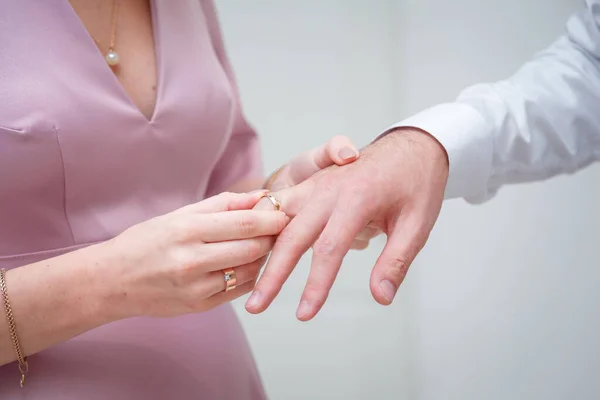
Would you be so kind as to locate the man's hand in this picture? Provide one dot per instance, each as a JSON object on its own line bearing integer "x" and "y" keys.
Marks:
{"x": 397, "y": 185}
{"x": 339, "y": 150}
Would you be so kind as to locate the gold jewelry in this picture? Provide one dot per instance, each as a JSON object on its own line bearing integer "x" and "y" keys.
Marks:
{"x": 230, "y": 279}
{"x": 12, "y": 328}
{"x": 272, "y": 199}
{"x": 272, "y": 177}
{"x": 111, "y": 56}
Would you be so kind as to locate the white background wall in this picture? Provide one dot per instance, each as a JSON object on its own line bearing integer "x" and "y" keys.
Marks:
{"x": 503, "y": 303}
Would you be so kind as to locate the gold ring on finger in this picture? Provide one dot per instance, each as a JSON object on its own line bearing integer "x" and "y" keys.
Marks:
{"x": 230, "y": 279}
{"x": 273, "y": 200}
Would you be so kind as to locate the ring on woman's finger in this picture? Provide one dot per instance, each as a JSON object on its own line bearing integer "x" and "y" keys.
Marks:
{"x": 269, "y": 196}
{"x": 230, "y": 279}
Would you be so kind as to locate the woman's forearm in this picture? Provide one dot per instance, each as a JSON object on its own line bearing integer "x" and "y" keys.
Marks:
{"x": 57, "y": 299}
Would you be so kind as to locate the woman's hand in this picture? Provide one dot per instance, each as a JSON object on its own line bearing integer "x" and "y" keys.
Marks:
{"x": 173, "y": 264}
{"x": 166, "y": 266}
{"x": 339, "y": 151}
{"x": 397, "y": 185}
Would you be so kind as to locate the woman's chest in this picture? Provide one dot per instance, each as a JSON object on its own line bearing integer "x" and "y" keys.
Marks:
{"x": 124, "y": 32}
{"x": 75, "y": 148}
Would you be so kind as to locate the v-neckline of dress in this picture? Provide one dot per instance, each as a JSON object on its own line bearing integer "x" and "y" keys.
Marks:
{"x": 108, "y": 75}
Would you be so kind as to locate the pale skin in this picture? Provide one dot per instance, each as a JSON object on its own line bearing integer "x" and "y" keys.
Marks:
{"x": 169, "y": 265}
{"x": 397, "y": 185}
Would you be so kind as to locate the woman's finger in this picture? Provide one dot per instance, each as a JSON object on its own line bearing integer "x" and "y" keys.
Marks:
{"x": 221, "y": 255}
{"x": 241, "y": 224}
{"x": 225, "y": 201}
{"x": 359, "y": 244}
{"x": 215, "y": 280}
{"x": 367, "y": 233}
{"x": 226, "y": 297}
{"x": 338, "y": 150}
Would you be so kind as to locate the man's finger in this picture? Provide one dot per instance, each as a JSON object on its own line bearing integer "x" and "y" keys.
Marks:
{"x": 407, "y": 238}
{"x": 350, "y": 215}
{"x": 295, "y": 239}
{"x": 291, "y": 200}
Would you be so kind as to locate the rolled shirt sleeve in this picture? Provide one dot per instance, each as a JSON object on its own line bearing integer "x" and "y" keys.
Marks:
{"x": 541, "y": 122}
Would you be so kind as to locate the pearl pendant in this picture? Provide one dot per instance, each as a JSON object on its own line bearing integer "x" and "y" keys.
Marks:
{"x": 112, "y": 58}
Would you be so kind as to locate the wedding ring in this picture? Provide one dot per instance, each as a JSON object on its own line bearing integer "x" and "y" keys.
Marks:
{"x": 230, "y": 279}
{"x": 273, "y": 200}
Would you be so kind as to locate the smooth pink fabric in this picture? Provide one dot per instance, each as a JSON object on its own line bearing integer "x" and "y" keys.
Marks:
{"x": 79, "y": 164}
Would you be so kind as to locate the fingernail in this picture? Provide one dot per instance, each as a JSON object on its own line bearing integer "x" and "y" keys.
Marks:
{"x": 347, "y": 153}
{"x": 303, "y": 309}
{"x": 253, "y": 300}
{"x": 388, "y": 290}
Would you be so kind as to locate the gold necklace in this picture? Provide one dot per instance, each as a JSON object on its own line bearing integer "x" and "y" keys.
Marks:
{"x": 111, "y": 56}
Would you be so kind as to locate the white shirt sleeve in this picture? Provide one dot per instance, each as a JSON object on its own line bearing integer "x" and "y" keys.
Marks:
{"x": 541, "y": 122}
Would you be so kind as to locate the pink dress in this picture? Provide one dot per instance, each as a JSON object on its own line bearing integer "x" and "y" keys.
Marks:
{"x": 79, "y": 164}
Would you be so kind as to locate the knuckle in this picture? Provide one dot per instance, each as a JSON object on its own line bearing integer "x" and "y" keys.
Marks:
{"x": 180, "y": 229}
{"x": 254, "y": 249}
{"x": 325, "y": 247}
{"x": 253, "y": 271}
{"x": 183, "y": 259}
{"x": 261, "y": 262}
{"x": 316, "y": 291}
{"x": 190, "y": 300}
{"x": 281, "y": 222}
{"x": 360, "y": 190}
{"x": 227, "y": 198}
{"x": 397, "y": 268}
{"x": 226, "y": 195}
{"x": 287, "y": 236}
{"x": 247, "y": 225}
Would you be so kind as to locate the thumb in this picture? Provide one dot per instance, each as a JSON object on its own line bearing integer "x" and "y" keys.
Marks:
{"x": 408, "y": 236}
{"x": 291, "y": 200}
{"x": 338, "y": 150}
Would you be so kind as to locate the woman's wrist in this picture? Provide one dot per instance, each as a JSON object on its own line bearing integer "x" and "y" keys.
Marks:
{"x": 106, "y": 281}
{"x": 57, "y": 299}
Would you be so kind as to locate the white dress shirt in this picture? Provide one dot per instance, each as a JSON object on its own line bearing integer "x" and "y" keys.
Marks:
{"x": 542, "y": 121}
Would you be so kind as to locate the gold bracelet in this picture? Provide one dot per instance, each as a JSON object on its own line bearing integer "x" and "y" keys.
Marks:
{"x": 12, "y": 328}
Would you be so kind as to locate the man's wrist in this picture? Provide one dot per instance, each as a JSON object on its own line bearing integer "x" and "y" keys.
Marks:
{"x": 423, "y": 138}
{"x": 426, "y": 142}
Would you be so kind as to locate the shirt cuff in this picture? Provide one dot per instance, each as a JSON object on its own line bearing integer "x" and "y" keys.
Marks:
{"x": 468, "y": 140}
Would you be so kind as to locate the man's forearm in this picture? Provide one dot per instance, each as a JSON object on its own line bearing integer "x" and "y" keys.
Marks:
{"x": 540, "y": 122}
